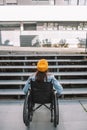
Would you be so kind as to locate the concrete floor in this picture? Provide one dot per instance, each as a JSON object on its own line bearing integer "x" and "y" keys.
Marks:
{"x": 73, "y": 116}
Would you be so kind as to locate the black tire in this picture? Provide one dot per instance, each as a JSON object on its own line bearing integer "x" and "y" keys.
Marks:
{"x": 25, "y": 111}
{"x": 56, "y": 112}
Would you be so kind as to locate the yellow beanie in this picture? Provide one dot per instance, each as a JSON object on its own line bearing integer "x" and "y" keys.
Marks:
{"x": 42, "y": 65}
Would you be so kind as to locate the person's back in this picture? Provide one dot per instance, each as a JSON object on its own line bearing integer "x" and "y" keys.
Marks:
{"x": 42, "y": 75}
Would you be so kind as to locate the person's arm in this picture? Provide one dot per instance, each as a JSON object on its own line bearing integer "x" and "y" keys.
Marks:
{"x": 57, "y": 85}
{"x": 26, "y": 86}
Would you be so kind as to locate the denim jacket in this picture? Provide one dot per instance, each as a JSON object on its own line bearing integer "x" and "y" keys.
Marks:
{"x": 57, "y": 86}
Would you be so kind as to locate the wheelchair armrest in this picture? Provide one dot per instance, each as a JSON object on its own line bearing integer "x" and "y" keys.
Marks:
{"x": 57, "y": 94}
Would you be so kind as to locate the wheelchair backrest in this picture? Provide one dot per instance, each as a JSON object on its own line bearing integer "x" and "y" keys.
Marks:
{"x": 41, "y": 92}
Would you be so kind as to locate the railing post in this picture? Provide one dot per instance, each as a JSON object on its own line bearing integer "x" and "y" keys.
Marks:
{"x": 86, "y": 43}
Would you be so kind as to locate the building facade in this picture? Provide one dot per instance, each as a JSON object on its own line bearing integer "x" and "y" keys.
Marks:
{"x": 38, "y": 34}
{"x": 43, "y": 2}
{"x": 43, "y": 26}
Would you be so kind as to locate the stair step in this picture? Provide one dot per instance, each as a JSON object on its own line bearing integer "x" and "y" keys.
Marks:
{"x": 49, "y": 60}
{"x": 50, "y": 66}
{"x": 70, "y": 91}
{"x": 20, "y": 82}
{"x": 84, "y": 73}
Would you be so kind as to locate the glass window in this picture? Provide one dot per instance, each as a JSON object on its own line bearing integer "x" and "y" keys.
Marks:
{"x": 50, "y": 26}
{"x": 1, "y": 2}
{"x": 85, "y": 26}
{"x": 11, "y": 2}
{"x": 40, "y": 0}
{"x": 9, "y": 26}
{"x": 31, "y": 26}
{"x": 81, "y": 2}
{"x": 73, "y": 2}
{"x": 45, "y": 26}
{"x": 66, "y": 2}
{"x": 85, "y": 2}
{"x": 55, "y": 26}
{"x": 78, "y": 2}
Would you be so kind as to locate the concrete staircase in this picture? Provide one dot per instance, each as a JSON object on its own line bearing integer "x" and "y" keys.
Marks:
{"x": 69, "y": 69}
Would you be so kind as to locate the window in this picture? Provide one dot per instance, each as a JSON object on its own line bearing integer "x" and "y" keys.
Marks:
{"x": 40, "y": 0}
{"x": 9, "y": 26}
{"x": 81, "y": 2}
{"x": 11, "y": 2}
{"x": 45, "y": 26}
{"x": 31, "y": 26}
{"x": 1, "y": 2}
{"x": 74, "y": 2}
{"x": 85, "y": 26}
{"x": 78, "y": 2}
{"x": 67, "y": 2}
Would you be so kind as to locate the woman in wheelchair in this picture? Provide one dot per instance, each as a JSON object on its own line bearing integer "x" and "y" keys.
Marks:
{"x": 43, "y": 75}
{"x": 40, "y": 77}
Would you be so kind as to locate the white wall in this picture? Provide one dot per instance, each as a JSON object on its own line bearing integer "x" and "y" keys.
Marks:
{"x": 12, "y": 36}
{"x": 43, "y": 13}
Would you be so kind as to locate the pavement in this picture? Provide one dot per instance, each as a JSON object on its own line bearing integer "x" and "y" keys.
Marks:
{"x": 29, "y": 50}
{"x": 72, "y": 116}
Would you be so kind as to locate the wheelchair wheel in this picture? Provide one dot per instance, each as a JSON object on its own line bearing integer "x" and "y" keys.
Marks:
{"x": 25, "y": 110}
{"x": 56, "y": 112}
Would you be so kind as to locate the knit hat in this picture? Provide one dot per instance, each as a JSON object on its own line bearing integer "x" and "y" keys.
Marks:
{"x": 42, "y": 65}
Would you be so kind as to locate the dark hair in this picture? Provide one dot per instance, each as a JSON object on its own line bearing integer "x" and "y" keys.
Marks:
{"x": 41, "y": 76}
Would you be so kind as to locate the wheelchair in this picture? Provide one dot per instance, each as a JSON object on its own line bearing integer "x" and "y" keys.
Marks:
{"x": 41, "y": 93}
